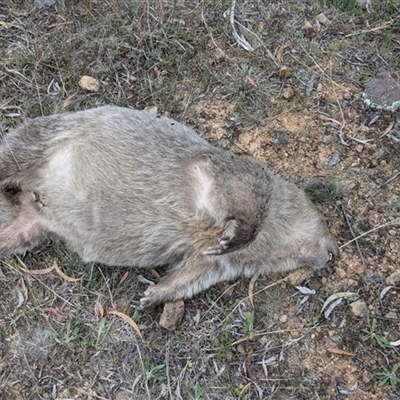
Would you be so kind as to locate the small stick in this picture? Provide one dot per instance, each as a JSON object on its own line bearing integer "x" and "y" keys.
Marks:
{"x": 393, "y": 222}
{"x": 242, "y": 42}
{"x": 389, "y": 180}
{"x": 354, "y": 236}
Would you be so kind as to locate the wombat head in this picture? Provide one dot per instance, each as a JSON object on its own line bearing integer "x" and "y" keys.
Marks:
{"x": 316, "y": 254}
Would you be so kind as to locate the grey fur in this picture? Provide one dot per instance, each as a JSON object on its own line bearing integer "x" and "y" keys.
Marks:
{"x": 128, "y": 188}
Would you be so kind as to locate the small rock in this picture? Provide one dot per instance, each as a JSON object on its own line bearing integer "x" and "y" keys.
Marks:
{"x": 393, "y": 279}
{"x": 359, "y": 148}
{"x": 220, "y": 54}
{"x": 333, "y": 341}
{"x": 172, "y": 315}
{"x": 321, "y": 18}
{"x": 240, "y": 349}
{"x": 315, "y": 284}
{"x": 284, "y": 72}
{"x": 334, "y": 160}
{"x": 122, "y": 395}
{"x": 151, "y": 109}
{"x": 309, "y": 31}
{"x": 283, "y": 318}
{"x": 341, "y": 273}
{"x": 90, "y": 84}
{"x": 347, "y": 96}
{"x": 383, "y": 92}
{"x": 391, "y": 315}
{"x": 359, "y": 308}
{"x": 288, "y": 94}
{"x": 367, "y": 376}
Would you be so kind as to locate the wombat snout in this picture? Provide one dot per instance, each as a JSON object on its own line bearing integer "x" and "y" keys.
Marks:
{"x": 128, "y": 188}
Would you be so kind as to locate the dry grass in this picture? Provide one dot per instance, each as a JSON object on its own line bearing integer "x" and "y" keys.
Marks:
{"x": 57, "y": 340}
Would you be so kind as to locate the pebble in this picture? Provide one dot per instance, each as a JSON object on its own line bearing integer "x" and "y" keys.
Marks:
{"x": 391, "y": 315}
{"x": 172, "y": 315}
{"x": 393, "y": 279}
{"x": 359, "y": 308}
{"x": 283, "y": 318}
{"x": 333, "y": 341}
{"x": 340, "y": 272}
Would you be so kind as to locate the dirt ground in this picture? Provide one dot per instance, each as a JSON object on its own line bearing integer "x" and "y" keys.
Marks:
{"x": 288, "y": 93}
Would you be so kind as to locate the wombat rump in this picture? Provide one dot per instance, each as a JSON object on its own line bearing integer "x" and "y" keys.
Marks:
{"x": 129, "y": 188}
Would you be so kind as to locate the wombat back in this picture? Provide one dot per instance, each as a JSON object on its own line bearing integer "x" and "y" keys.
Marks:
{"x": 128, "y": 188}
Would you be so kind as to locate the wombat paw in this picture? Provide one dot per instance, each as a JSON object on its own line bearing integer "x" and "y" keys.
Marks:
{"x": 227, "y": 242}
{"x": 220, "y": 248}
{"x": 151, "y": 297}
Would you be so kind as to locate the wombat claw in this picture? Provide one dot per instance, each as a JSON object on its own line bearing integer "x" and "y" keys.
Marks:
{"x": 220, "y": 248}
{"x": 149, "y": 299}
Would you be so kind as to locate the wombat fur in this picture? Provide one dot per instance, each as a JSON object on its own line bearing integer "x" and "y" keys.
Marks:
{"x": 129, "y": 188}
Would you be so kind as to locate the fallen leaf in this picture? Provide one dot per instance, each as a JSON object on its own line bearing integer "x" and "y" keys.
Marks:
{"x": 38, "y": 271}
{"x": 51, "y": 310}
{"x": 396, "y": 343}
{"x": 69, "y": 100}
{"x": 155, "y": 273}
{"x": 128, "y": 320}
{"x": 252, "y": 81}
{"x": 281, "y": 50}
{"x": 387, "y": 130}
{"x": 248, "y": 364}
{"x": 355, "y": 271}
{"x": 62, "y": 275}
{"x": 123, "y": 279}
{"x": 4, "y": 24}
{"x": 21, "y": 291}
{"x": 251, "y": 288}
{"x": 99, "y": 308}
{"x": 337, "y": 296}
{"x": 334, "y": 350}
{"x": 305, "y": 290}
{"x": 332, "y": 306}
{"x": 299, "y": 275}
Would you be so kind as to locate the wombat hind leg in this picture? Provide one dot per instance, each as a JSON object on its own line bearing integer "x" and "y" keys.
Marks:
{"x": 185, "y": 281}
{"x": 21, "y": 235}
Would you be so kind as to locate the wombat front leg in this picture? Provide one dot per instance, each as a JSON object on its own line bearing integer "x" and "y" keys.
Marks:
{"x": 227, "y": 241}
{"x": 24, "y": 233}
{"x": 237, "y": 233}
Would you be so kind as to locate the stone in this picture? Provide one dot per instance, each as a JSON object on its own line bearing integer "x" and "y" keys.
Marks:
{"x": 172, "y": 315}
{"x": 359, "y": 308}
{"x": 383, "y": 92}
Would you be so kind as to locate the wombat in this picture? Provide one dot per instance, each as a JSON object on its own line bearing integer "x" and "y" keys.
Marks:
{"x": 128, "y": 188}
